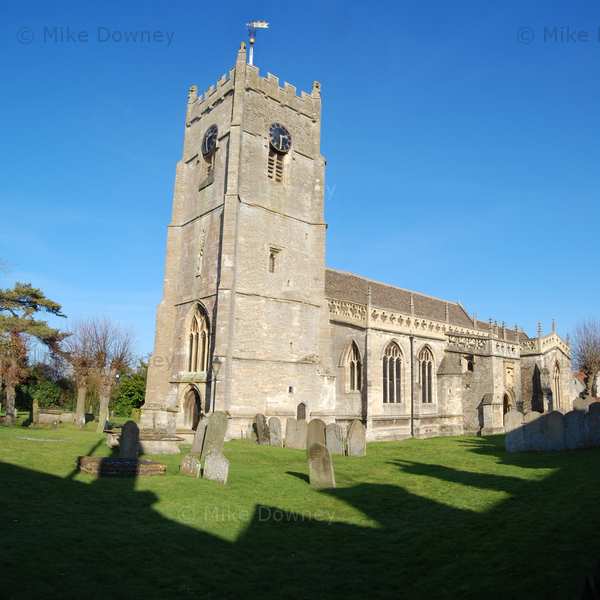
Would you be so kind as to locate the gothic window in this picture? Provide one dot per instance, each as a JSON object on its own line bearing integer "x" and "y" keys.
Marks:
{"x": 354, "y": 369}
{"x": 556, "y": 399}
{"x": 198, "y": 343}
{"x": 392, "y": 374}
{"x": 426, "y": 375}
{"x": 275, "y": 165}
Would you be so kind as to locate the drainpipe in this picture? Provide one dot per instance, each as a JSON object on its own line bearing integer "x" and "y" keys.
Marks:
{"x": 412, "y": 387}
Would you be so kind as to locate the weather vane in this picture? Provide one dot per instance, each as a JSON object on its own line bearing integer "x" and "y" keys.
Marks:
{"x": 252, "y": 27}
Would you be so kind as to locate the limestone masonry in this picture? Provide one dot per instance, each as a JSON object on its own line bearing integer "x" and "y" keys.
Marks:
{"x": 251, "y": 320}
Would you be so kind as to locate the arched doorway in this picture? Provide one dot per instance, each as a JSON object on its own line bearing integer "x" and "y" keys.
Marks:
{"x": 506, "y": 404}
{"x": 301, "y": 412}
{"x": 192, "y": 407}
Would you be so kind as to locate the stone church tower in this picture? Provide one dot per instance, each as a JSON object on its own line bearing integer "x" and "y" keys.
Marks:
{"x": 243, "y": 320}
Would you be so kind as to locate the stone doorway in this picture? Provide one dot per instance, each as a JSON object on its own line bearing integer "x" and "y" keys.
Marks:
{"x": 192, "y": 408}
{"x": 506, "y": 404}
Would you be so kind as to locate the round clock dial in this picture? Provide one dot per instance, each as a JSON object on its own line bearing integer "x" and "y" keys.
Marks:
{"x": 280, "y": 138}
{"x": 209, "y": 142}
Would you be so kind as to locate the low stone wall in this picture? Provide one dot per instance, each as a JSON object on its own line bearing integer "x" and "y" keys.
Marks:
{"x": 553, "y": 431}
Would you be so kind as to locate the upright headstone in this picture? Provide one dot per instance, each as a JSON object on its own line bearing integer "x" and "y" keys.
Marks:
{"x": 262, "y": 430}
{"x": 575, "y": 429}
{"x": 275, "y": 432}
{"x": 199, "y": 436}
{"x": 191, "y": 465}
{"x": 295, "y": 434}
{"x": 320, "y": 467}
{"x": 357, "y": 439}
{"x": 512, "y": 419}
{"x": 592, "y": 425}
{"x": 532, "y": 431}
{"x": 216, "y": 467}
{"x": 216, "y": 428}
{"x": 335, "y": 436}
{"x": 580, "y": 404}
{"x": 129, "y": 441}
{"x": 553, "y": 431}
{"x": 315, "y": 433}
{"x": 251, "y": 433}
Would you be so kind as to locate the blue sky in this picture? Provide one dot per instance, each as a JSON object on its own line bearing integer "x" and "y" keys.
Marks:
{"x": 461, "y": 139}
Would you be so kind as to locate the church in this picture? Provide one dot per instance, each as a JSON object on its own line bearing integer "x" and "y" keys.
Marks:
{"x": 252, "y": 321}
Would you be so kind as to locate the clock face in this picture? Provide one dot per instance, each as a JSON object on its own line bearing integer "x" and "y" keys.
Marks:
{"x": 209, "y": 142}
{"x": 280, "y": 138}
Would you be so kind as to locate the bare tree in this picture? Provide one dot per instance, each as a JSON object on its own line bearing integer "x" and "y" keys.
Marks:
{"x": 110, "y": 356}
{"x": 586, "y": 347}
{"x": 78, "y": 352}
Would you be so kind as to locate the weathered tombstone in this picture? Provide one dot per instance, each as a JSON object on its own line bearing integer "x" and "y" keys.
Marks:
{"x": 199, "y": 436}
{"x": 335, "y": 436}
{"x": 512, "y": 419}
{"x": 262, "y": 430}
{"x": 191, "y": 465}
{"x": 251, "y": 433}
{"x": 357, "y": 439}
{"x": 216, "y": 467}
{"x": 129, "y": 441}
{"x": 315, "y": 433}
{"x": 580, "y": 404}
{"x": 214, "y": 438}
{"x": 533, "y": 437}
{"x": 320, "y": 467}
{"x": 553, "y": 431}
{"x": 275, "y": 432}
{"x": 592, "y": 425}
{"x": 575, "y": 430}
{"x": 295, "y": 434}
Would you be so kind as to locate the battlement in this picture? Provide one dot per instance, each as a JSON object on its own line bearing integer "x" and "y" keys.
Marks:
{"x": 199, "y": 103}
{"x": 305, "y": 103}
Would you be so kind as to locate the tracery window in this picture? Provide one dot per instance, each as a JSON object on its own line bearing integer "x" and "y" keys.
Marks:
{"x": 198, "y": 343}
{"x": 426, "y": 375}
{"x": 392, "y": 374}
{"x": 556, "y": 387}
{"x": 354, "y": 369}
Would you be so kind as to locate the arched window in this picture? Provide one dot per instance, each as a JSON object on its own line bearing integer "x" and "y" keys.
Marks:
{"x": 426, "y": 375}
{"x": 392, "y": 374}
{"x": 301, "y": 412}
{"x": 354, "y": 369}
{"x": 198, "y": 344}
{"x": 556, "y": 399}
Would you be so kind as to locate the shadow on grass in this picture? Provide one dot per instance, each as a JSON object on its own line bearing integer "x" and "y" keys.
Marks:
{"x": 106, "y": 539}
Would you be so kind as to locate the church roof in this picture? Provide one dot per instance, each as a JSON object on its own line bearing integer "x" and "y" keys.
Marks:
{"x": 354, "y": 288}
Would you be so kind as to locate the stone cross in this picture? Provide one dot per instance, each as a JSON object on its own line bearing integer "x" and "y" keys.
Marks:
{"x": 320, "y": 467}
{"x": 357, "y": 439}
{"x": 129, "y": 441}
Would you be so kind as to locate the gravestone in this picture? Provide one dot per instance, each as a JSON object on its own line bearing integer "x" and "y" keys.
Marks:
{"x": 214, "y": 438}
{"x": 532, "y": 431}
{"x": 553, "y": 431}
{"x": 275, "y": 432}
{"x": 295, "y": 434}
{"x": 512, "y": 419}
{"x": 216, "y": 467}
{"x": 191, "y": 465}
{"x": 199, "y": 436}
{"x": 315, "y": 433}
{"x": 357, "y": 439}
{"x": 575, "y": 430}
{"x": 335, "y": 435}
{"x": 592, "y": 425}
{"x": 251, "y": 433}
{"x": 581, "y": 404}
{"x": 262, "y": 430}
{"x": 320, "y": 467}
{"x": 129, "y": 441}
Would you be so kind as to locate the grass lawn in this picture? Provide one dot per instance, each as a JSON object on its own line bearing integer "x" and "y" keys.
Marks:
{"x": 440, "y": 518}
